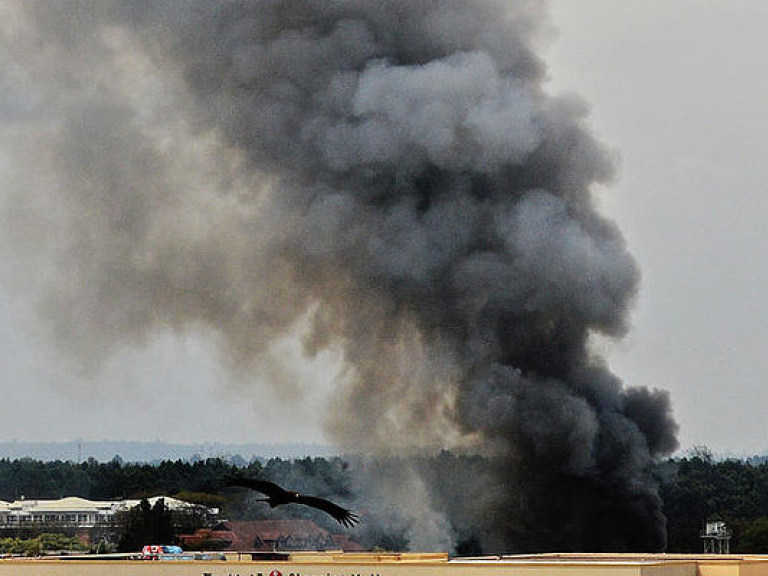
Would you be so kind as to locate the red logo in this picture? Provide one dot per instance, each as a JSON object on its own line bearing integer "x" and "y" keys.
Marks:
{"x": 275, "y": 573}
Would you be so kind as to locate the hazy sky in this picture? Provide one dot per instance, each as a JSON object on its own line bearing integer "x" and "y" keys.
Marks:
{"x": 678, "y": 88}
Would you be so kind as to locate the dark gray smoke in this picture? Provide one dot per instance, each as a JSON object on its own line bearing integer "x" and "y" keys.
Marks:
{"x": 391, "y": 181}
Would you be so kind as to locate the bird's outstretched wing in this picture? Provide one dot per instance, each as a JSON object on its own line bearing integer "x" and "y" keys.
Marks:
{"x": 264, "y": 486}
{"x": 280, "y": 496}
{"x": 342, "y": 515}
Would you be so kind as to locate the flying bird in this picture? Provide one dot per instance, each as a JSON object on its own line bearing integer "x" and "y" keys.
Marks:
{"x": 277, "y": 496}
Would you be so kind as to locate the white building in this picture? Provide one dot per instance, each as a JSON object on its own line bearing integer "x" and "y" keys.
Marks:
{"x": 73, "y": 512}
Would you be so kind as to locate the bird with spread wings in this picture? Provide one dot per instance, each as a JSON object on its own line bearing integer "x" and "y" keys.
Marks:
{"x": 277, "y": 496}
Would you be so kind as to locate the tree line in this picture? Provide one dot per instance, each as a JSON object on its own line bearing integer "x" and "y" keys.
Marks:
{"x": 699, "y": 489}
{"x": 694, "y": 489}
{"x": 116, "y": 479}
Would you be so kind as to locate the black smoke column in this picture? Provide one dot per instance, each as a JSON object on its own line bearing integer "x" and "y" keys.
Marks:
{"x": 390, "y": 180}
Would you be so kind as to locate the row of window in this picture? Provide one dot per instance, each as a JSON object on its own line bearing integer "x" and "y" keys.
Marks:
{"x": 68, "y": 518}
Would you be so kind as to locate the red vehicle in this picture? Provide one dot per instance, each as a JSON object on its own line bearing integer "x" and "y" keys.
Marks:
{"x": 156, "y": 551}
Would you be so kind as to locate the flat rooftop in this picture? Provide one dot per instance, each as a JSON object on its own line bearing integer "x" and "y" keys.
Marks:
{"x": 406, "y": 564}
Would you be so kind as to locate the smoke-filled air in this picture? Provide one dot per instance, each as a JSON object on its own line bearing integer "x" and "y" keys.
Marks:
{"x": 389, "y": 181}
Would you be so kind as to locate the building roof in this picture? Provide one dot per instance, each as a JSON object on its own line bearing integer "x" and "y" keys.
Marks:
{"x": 252, "y": 535}
{"x": 171, "y": 503}
{"x": 345, "y": 543}
{"x": 70, "y": 504}
{"x": 271, "y": 530}
{"x": 75, "y": 504}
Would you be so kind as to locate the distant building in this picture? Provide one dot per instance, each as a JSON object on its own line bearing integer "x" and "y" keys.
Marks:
{"x": 268, "y": 535}
{"x": 74, "y": 512}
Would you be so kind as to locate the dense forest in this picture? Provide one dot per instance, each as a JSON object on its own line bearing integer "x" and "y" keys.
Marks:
{"x": 695, "y": 489}
{"x": 699, "y": 489}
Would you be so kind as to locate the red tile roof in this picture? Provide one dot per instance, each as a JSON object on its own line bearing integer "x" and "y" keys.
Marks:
{"x": 254, "y": 535}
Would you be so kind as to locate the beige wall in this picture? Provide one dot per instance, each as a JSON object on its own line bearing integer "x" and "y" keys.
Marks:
{"x": 403, "y": 567}
{"x": 80, "y": 568}
{"x": 756, "y": 567}
{"x": 719, "y": 569}
{"x": 676, "y": 568}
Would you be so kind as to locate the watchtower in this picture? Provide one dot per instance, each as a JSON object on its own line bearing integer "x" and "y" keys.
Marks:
{"x": 716, "y": 538}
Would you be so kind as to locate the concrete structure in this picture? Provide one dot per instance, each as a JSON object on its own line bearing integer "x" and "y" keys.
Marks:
{"x": 372, "y": 564}
{"x": 72, "y": 512}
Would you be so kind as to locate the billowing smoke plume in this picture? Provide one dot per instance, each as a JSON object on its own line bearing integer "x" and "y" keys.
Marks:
{"x": 388, "y": 179}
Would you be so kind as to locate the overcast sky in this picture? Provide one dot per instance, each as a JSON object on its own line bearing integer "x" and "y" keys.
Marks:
{"x": 678, "y": 89}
